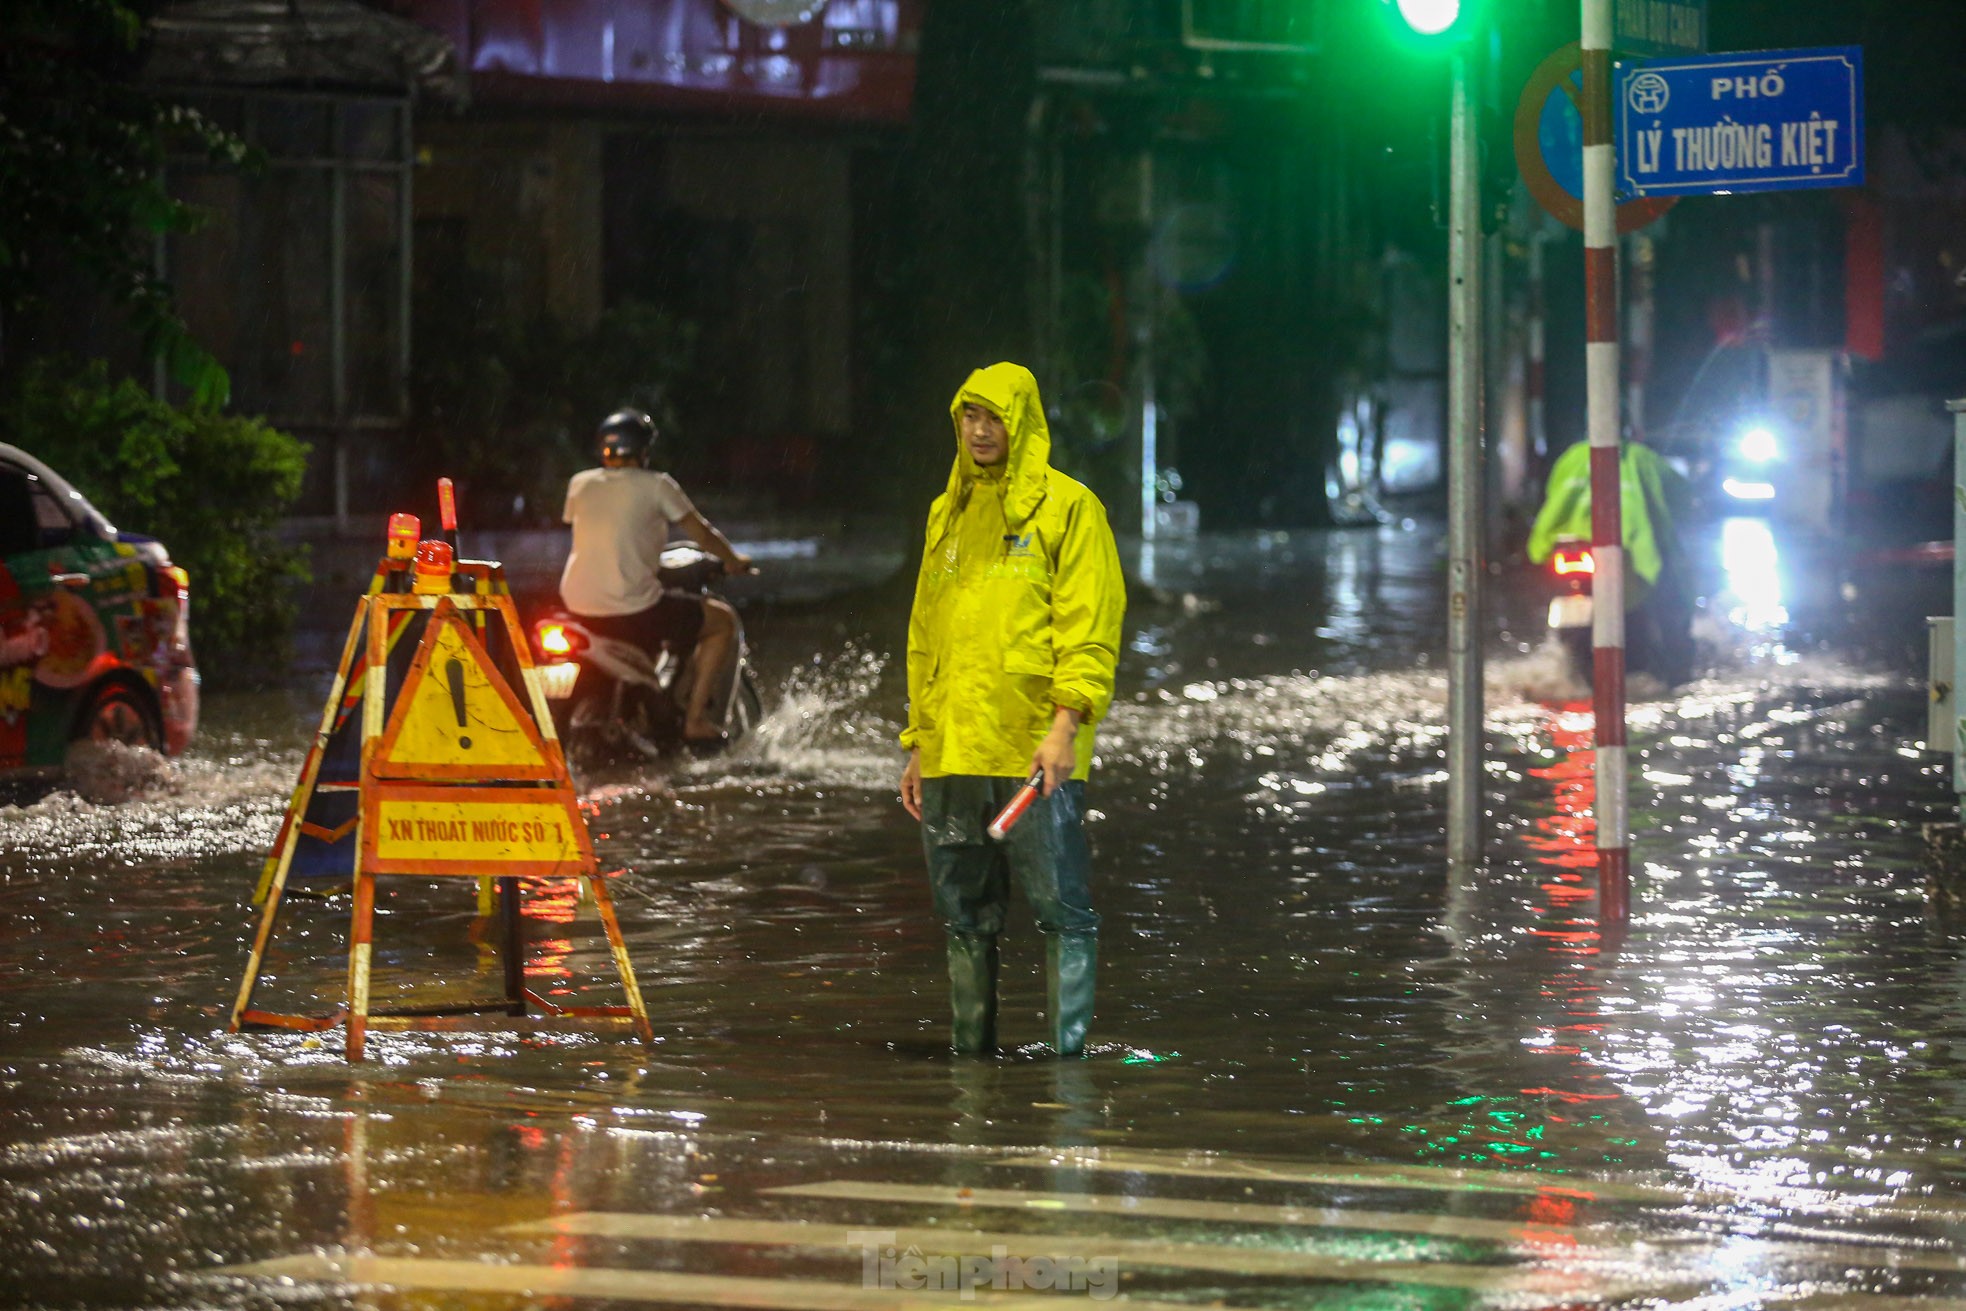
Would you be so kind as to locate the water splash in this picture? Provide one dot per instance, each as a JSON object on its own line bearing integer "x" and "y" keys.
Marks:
{"x": 821, "y": 724}
{"x": 1543, "y": 673}
{"x": 131, "y": 803}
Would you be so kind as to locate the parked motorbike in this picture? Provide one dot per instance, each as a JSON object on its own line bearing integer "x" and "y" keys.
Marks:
{"x": 611, "y": 698}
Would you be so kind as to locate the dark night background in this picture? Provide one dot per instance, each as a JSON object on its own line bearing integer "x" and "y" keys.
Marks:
{"x": 794, "y": 285}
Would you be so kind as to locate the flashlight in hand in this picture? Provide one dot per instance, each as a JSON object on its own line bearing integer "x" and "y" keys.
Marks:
{"x": 1014, "y": 810}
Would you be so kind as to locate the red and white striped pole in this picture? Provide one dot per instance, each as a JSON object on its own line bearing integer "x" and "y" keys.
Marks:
{"x": 1607, "y": 529}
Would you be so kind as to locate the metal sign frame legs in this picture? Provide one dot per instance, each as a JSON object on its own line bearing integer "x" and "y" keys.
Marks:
{"x": 454, "y": 770}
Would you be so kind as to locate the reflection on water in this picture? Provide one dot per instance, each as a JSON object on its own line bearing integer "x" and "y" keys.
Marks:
{"x": 1284, "y": 970}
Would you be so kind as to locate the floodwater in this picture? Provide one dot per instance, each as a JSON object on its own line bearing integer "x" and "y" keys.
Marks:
{"x": 1320, "y": 1074}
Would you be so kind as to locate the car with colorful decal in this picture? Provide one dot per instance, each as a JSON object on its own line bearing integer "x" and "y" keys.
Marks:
{"x": 95, "y": 641}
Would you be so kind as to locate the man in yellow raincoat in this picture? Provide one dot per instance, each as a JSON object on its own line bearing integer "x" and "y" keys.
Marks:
{"x": 1012, "y": 644}
{"x": 1652, "y": 497}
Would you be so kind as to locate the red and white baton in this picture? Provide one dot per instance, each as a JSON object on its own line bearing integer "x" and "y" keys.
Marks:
{"x": 1018, "y": 804}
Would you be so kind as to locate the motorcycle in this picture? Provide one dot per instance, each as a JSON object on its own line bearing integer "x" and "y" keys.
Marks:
{"x": 611, "y": 698}
{"x": 1572, "y": 569}
{"x": 1658, "y": 640}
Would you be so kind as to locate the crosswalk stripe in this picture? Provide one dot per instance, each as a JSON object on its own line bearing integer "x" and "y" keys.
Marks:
{"x": 1767, "y": 1299}
{"x": 1204, "y": 1165}
{"x": 1549, "y": 1282}
{"x": 1854, "y": 1251}
{"x": 1178, "y": 1208}
{"x": 1440, "y": 1179}
{"x": 538, "y": 1281}
{"x": 1872, "y": 1302}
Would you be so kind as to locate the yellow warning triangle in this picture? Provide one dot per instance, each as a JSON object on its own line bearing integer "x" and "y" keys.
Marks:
{"x": 456, "y": 718}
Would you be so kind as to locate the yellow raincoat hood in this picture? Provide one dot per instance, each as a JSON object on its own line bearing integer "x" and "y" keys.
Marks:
{"x": 1011, "y": 393}
{"x": 1019, "y": 603}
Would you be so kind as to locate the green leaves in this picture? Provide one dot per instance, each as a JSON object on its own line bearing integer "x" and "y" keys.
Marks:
{"x": 81, "y": 166}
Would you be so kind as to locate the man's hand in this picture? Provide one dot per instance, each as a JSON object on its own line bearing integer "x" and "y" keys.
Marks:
{"x": 705, "y": 534}
{"x": 1056, "y": 755}
{"x": 911, "y": 785}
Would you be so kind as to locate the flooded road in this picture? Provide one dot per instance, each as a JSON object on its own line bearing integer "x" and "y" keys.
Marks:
{"x": 1319, "y": 1074}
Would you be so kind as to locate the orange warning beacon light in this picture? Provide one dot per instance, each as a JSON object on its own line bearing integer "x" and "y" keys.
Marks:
{"x": 434, "y": 564}
{"x": 404, "y": 532}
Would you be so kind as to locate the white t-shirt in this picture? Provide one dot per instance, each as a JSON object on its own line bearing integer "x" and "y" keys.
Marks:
{"x": 621, "y": 520}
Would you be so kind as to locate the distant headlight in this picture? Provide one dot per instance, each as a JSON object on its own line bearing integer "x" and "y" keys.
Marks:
{"x": 1758, "y": 446}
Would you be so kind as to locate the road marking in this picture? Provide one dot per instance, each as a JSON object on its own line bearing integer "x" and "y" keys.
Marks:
{"x": 1441, "y": 1179}
{"x": 1527, "y": 1237}
{"x": 538, "y": 1281}
{"x": 1523, "y": 1280}
{"x": 1763, "y": 1299}
{"x": 1873, "y": 1302}
{"x": 1177, "y": 1208}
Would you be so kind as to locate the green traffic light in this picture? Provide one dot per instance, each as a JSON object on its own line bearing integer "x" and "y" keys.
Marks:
{"x": 1430, "y": 17}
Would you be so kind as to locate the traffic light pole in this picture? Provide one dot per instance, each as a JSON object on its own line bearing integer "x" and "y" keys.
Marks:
{"x": 1464, "y": 479}
{"x": 1610, "y": 805}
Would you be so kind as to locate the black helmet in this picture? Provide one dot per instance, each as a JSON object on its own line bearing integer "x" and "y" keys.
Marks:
{"x": 627, "y": 435}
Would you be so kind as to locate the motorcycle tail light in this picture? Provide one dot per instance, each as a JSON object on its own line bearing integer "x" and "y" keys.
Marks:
{"x": 556, "y": 641}
{"x": 1572, "y": 560}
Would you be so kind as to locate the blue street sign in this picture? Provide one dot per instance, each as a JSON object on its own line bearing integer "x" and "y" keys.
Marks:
{"x": 1659, "y": 27}
{"x": 1757, "y": 120}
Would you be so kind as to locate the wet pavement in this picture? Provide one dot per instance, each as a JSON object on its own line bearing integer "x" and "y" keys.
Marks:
{"x": 1320, "y": 1073}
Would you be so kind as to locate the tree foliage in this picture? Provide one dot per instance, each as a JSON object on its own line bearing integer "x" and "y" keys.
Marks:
{"x": 210, "y": 486}
{"x": 81, "y": 154}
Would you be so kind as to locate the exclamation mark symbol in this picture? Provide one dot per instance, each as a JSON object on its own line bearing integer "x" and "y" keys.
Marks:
{"x": 454, "y": 675}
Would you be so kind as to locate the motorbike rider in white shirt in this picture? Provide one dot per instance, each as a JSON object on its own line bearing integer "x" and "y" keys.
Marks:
{"x": 622, "y": 515}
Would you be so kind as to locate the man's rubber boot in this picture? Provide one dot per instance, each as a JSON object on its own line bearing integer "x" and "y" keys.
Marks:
{"x": 1073, "y": 965}
{"x": 973, "y": 994}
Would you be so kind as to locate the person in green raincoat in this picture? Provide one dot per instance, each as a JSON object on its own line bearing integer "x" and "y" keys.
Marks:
{"x": 1652, "y": 496}
{"x": 1012, "y": 644}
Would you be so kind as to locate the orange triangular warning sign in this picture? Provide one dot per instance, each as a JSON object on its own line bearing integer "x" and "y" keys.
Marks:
{"x": 456, "y": 718}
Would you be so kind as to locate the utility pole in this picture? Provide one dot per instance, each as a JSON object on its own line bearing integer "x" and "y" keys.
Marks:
{"x": 1464, "y": 478}
{"x": 1606, "y": 447}
{"x": 1539, "y": 442}
{"x": 1149, "y": 401}
{"x": 1447, "y": 27}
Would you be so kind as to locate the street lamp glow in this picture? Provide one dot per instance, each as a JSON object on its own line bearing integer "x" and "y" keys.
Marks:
{"x": 1430, "y": 17}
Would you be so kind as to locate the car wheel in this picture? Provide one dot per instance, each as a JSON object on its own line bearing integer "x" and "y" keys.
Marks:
{"x": 117, "y": 714}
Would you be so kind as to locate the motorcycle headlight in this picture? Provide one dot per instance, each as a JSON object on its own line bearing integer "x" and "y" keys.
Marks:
{"x": 1743, "y": 490}
{"x": 1758, "y": 446}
